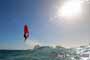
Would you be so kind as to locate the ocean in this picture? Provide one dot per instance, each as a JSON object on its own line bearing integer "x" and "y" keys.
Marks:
{"x": 42, "y": 53}
{"x": 15, "y": 55}
{"x": 36, "y": 54}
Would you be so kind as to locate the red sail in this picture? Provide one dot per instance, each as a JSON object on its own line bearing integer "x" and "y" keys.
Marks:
{"x": 26, "y": 29}
{"x": 26, "y": 32}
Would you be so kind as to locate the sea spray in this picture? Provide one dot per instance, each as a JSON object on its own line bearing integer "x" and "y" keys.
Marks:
{"x": 31, "y": 43}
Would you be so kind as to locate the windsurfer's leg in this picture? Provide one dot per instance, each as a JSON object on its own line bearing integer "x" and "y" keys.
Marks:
{"x": 25, "y": 36}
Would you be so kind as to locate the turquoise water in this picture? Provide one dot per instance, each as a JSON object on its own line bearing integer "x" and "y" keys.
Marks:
{"x": 44, "y": 53}
{"x": 15, "y": 55}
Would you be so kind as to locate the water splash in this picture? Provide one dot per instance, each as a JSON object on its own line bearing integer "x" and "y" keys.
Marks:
{"x": 31, "y": 43}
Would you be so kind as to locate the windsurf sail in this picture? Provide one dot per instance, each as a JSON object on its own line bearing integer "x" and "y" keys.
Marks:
{"x": 26, "y": 32}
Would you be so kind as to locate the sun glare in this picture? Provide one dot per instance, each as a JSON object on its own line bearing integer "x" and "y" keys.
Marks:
{"x": 70, "y": 8}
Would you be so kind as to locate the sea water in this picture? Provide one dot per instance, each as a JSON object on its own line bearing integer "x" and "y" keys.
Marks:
{"x": 15, "y": 55}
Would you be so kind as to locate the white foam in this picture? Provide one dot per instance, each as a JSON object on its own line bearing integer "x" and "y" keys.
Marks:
{"x": 32, "y": 43}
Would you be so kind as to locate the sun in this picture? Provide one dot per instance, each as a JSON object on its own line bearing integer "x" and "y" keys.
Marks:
{"x": 69, "y": 12}
{"x": 70, "y": 8}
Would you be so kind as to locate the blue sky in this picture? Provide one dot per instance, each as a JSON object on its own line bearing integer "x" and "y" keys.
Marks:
{"x": 36, "y": 14}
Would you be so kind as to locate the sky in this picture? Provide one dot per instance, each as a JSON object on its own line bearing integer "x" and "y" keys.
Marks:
{"x": 48, "y": 21}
